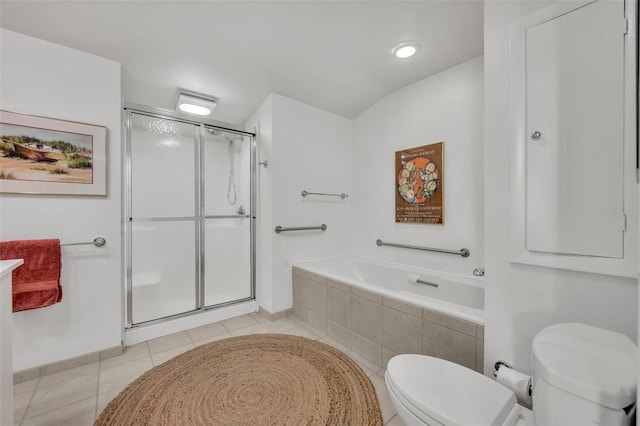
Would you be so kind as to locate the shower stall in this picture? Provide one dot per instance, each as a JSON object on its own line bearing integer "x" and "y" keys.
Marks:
{"x": 189, "y": 217}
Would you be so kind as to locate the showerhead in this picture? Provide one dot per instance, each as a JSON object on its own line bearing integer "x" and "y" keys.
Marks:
{"x": 229, "y": 138}
{"x": 232, "y": 140}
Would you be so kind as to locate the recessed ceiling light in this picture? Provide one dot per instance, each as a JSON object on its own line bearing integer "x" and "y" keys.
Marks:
{"x": 195, "y": 104}
{"x": 405, "y": 50}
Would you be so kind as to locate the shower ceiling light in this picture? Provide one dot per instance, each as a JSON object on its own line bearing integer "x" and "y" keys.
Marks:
{"x": 195, "y": 104}
{"x": 405, "y": 50}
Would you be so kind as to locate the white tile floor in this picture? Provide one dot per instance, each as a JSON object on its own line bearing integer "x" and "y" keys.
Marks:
{"x": 76, "y": 397}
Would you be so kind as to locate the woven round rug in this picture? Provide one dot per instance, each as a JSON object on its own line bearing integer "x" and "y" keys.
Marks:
{"x": 259, "y": 379}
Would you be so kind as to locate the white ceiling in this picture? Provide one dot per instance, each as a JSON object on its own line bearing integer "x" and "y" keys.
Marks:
{"x": 334, "y": 55}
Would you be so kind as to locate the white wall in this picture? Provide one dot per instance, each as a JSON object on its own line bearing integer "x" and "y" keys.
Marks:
{"x": 307, "y": 149}
{"x": 41, "y": 78}
{"x": 521, "y": 300}
{"x": 445, "y": 107}
{"x": 261, "y": 122}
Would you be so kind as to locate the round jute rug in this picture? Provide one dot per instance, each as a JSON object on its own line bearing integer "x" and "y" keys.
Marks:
{"x": 260, "y": 379}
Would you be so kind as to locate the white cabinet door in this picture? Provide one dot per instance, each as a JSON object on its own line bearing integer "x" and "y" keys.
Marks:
{"x": 575, "y": 132}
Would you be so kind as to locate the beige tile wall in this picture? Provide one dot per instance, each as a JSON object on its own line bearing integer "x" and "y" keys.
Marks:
{"x": 378, "y": 327}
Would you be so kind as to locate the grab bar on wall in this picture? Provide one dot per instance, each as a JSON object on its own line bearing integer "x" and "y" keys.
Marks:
{"x": 343, "y": 195}
{"x": 98, "y": 242}
{"x": 462, "y": 252}
{"x": 280, "y": 229}
{"x": 228, "y": 216}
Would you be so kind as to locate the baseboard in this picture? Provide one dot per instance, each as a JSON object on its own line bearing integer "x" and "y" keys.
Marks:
{"x": 275, "y": 315}
{"x": 66, "y": 364}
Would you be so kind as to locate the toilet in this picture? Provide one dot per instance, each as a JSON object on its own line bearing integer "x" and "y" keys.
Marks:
{"x": 582, "y": 375}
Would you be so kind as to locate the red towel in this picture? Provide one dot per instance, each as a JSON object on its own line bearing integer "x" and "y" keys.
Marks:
{"x": 36, "y": 283}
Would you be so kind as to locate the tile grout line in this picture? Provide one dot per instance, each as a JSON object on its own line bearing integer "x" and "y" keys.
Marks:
{"x": 193, "y": 342}
{"x": 95, "y": 413}
{"x": 391, "y": 419}
{"x": 225, "y": 327}
{"x": 26, "y": 410}
{"x": 59, "y": 407}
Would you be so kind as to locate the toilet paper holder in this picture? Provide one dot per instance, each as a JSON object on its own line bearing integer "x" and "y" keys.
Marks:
{"x": 518, "y": 382}
{"x": 497, "y": 366}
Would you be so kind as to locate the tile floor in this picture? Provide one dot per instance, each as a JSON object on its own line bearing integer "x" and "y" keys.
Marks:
{"x": 76, "y": 397}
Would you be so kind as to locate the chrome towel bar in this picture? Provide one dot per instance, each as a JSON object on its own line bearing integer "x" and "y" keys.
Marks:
{"x": 280, "y": 229}
{"x": 343, "y": 195}
{"x": 462, "y": 252}
{"x": 98, "y": 242}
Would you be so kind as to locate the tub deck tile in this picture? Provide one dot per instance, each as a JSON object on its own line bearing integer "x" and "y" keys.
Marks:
{"x": 366, "y": 319}
{"x": 317, "y": 277}
{"x": 368, "y": 295}
{"x": 401, "y": 333}
{"x": 480, "y": 356}
{"x": 317, "y": 322}
{"x": 367, "y": 349}
{"x": 407, "y": 308}
{"x": 339, "y": 334}
{"x": 300, "y": 272}
{"x": 445, "y": 343}
{"x": 317, "y": 298}
{"x": 448, "y": 321}
{"x": 339, "y": 285}
{"x": 339, "y": 307}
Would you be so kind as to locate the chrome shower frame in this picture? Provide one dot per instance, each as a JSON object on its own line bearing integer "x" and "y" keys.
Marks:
{"x": 202, "y": 125}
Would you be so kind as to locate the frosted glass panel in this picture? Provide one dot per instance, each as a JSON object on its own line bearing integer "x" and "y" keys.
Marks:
{"x": 190, "y": 188}
{"x": 162, "y": 167}
{"x": 227, "y": 262}
{"x": 226, "y": 173}
{"x": 163, "y": 269}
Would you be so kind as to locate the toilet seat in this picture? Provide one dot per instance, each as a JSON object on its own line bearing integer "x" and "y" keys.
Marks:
{"x": 434, "y": 389}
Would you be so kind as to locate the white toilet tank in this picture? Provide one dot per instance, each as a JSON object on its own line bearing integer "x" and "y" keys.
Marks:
{"x": 583, "y": 375}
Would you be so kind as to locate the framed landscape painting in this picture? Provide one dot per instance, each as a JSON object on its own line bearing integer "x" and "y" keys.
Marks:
{"x": 40, "y": 155}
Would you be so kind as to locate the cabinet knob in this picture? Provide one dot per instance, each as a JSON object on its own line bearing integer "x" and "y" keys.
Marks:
{"x": 536, "y": 135}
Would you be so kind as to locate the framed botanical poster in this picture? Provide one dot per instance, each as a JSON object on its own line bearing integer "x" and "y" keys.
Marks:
{"x": 419, "y": 184}
{"x": 40, "y": 155}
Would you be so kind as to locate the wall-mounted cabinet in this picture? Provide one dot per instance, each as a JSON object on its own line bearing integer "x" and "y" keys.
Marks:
{"x": 572, "y": 95}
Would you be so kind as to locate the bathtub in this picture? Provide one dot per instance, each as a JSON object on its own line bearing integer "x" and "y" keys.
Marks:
{"x": 457, "y": 295}
{"x": 373, "y": 309}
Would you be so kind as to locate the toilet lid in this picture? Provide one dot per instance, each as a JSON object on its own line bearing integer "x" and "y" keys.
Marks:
{"x": 448, "y": 392}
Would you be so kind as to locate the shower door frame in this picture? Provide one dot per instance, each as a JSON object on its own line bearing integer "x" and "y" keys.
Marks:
{"x": 199, "y": 217}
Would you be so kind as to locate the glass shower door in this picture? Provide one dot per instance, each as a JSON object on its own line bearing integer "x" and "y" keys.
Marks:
{"x": 226, "y": 193}
{"x": 163, "y": 217}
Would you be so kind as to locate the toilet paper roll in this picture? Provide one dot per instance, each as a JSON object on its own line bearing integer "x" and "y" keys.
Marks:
{"x": 518, "y": 382}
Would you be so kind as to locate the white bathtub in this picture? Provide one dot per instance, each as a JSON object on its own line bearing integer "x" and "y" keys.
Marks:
{"x": 456, "y": 295}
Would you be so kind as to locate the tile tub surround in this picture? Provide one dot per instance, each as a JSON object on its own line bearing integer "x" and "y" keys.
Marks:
{"x": 378, "y": 327}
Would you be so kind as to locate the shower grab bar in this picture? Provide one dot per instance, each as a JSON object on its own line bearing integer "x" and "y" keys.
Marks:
{"x": 228, "y": 216}
{"x": 462, "y": 252}
{"x": 343, "y": 195}
{"x": 98, "y": 242}
{"x": 280, "y": 229}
